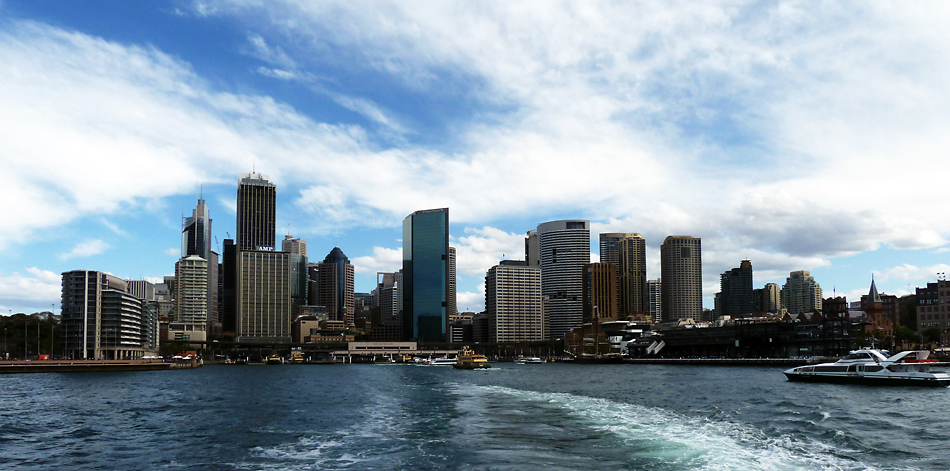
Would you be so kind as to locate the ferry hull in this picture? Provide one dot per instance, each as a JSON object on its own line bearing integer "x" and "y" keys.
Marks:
{"x": 867, "y": 380}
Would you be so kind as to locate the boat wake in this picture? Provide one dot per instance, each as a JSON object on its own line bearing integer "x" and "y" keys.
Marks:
{"x": 654, "y": 438}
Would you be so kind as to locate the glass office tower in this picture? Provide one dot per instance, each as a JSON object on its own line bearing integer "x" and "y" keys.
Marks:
{"x": 425, "y": 264}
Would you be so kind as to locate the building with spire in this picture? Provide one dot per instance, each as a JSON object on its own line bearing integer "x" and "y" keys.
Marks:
{"x": 879, "y": 324}
{"x": 263, "y": 305}
{"x": 293, "y": 245}
{"x": 256, "y": 213}
{"x": 196, "y": 242}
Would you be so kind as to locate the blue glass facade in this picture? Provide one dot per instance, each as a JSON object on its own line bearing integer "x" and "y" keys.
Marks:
{"x": 425, "y": 240}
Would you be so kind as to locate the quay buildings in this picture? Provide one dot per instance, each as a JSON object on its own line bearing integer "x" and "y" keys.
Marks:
{"x": 102, "y": 319}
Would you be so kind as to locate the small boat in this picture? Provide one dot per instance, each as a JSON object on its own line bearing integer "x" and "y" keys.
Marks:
{"x": 469, "y": 360}
{"x": 535, "y": 360}
{"x": 275, "y": 360}
{"x": 444, "y": 361}
{"x": 521, "y": 360}
{"x": 870, "y": 366}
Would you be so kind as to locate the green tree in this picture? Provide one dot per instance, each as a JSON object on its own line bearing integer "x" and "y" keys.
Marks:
{"x": 932, "y": 335}
{"x": 906, "y": 335}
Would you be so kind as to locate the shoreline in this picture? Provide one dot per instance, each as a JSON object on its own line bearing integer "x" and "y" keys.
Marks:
{"x": 76, "y": 366}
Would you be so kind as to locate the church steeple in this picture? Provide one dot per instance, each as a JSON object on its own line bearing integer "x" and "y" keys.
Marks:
{"x": 873, "y": 295}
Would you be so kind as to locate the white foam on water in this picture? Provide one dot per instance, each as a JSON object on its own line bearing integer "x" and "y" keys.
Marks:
{"x": 690, "y": 443}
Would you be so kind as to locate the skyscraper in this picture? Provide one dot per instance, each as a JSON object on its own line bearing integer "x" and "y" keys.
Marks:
{"x": 336, "y": 286}
{"x": 196, "y": 241}
{"x": 681, "y": 269}
{"x": 299, "y": 279}
{"x": 801, "y": 293}
{"x": 293, "y": 246}
{"x": 735, "y": 287}
{"x": 768, "y": 299}
{"x": 451, "y": 305}
{"x": 191, "y": 300}
{"x": 196, "y": 232}
{"x": 654, "y": 303}
{"x": 564, "y": 248}
{"x": 532, "y": 253}
{"x": 263, "y": 284}
{"x": 513, "y": 302}
{"x": 425, "y": 265}
{"x": 263, "y": 291}
{"x": 256, "y": 212}
{"x": 632, "y": 273}
{"x": 228, "y": 296}
{"x": 600, "y": 292}
{"x": 610, "y": 247}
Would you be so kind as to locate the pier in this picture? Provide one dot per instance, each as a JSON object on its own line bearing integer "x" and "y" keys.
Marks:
{"x": 75, "y": 366}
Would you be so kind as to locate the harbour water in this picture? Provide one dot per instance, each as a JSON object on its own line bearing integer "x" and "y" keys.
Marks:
{"x": 555, "y": 416}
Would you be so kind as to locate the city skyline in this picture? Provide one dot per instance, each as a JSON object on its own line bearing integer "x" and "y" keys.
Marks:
{"x": 769, "y": 133}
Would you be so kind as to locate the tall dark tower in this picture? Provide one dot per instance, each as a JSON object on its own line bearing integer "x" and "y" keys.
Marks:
{"x": 256, "y": 213}
{"x": 425, "y": 265}
{"x": 196, "y": 233}
{"x": 735, "y": 287}
{"x": 336, "y": 289}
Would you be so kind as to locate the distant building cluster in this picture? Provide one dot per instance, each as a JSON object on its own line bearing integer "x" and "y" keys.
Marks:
{"x": 255, "y": 292}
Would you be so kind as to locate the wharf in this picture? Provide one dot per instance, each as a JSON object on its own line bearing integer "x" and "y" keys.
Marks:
{"x": 784, "y": 362}
{"x": 74, "y": 366}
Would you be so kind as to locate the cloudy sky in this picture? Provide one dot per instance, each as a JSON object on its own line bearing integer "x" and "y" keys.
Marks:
{"x": 799, "y": 135}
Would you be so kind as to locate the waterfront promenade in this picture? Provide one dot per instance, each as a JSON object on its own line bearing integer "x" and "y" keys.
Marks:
{"x": 73, "y": 366}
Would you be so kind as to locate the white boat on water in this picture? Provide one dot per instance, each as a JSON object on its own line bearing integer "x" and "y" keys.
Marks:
{"x": 444, "y": 361}
{"x": 535, "y": 360}
{"x": 869, "y": 366}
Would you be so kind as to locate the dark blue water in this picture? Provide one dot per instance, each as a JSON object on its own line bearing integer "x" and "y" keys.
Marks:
{"x": 555, "y": 416}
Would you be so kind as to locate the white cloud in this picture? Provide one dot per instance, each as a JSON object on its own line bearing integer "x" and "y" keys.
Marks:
{"x": 173, "y": 251}
{"x": 471, "y": 301}
{"x": 382, "y": 260}
{"x": 113, "y": 227}
{"x": 38, "y": 290}
{"x": 485, "y": 247}
{"x": 270, "y": 54}
{"x": 768, "y": 132}
{"x": 86, "y": 249}
{"x": 912, "y": 273}
{"x": 753, "y": 119}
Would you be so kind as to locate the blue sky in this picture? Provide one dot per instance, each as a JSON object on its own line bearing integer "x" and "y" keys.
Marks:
{"x": 801, "y": 136}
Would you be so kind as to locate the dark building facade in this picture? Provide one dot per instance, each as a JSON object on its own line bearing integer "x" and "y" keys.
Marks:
{"x": 335, "y": 288}
{"x": 737, "y": 299}
{"x": 425, "y": 252}
{"x": 256, "y": 213}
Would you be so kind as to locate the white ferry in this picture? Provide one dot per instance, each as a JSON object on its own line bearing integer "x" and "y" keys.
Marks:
{"x": 869, "y": 366}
